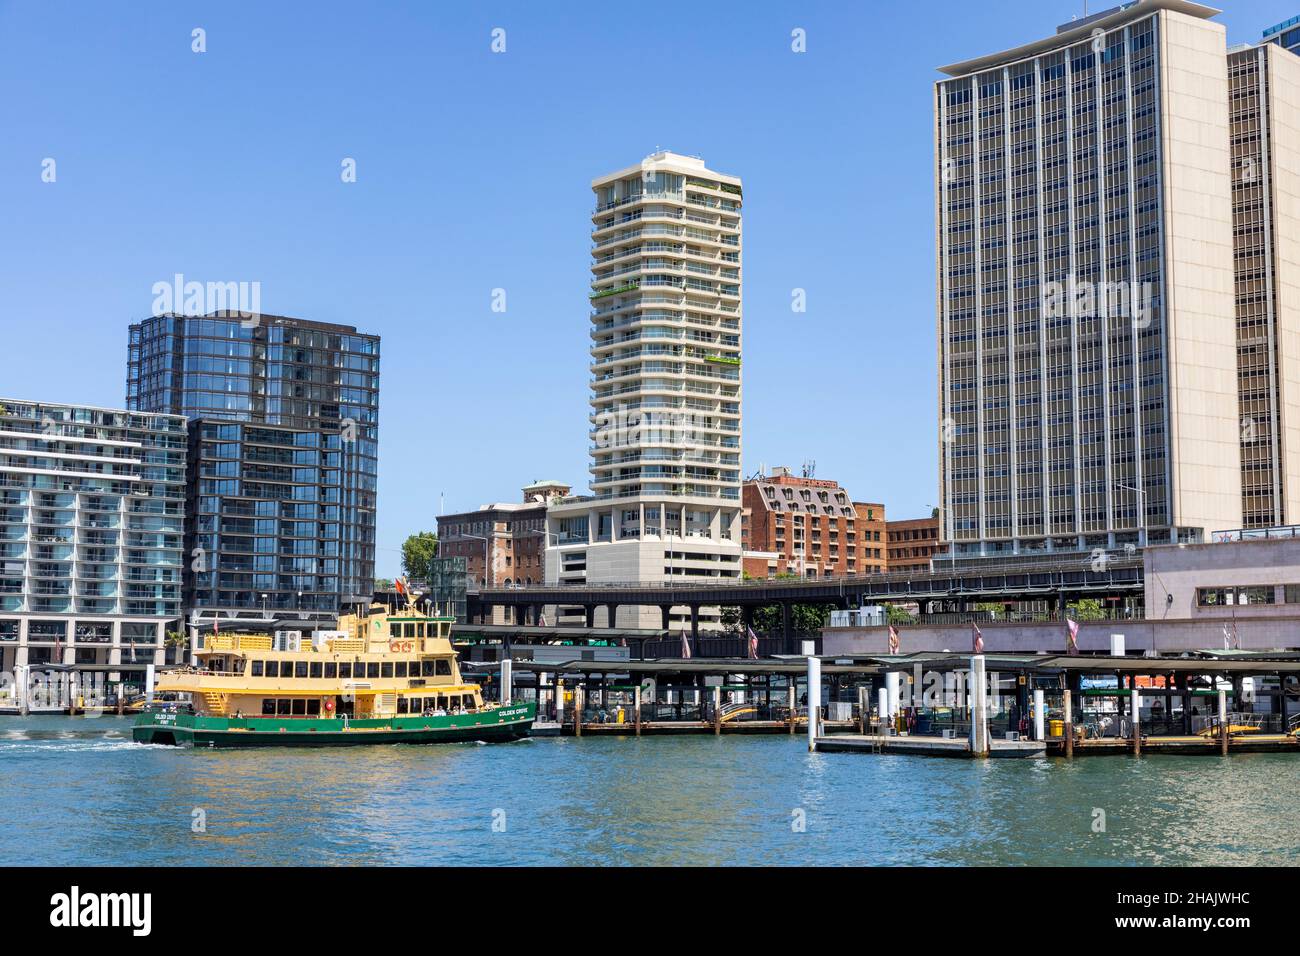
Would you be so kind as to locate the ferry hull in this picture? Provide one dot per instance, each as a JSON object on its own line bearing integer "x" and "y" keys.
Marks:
{"x": 190, "y": 730}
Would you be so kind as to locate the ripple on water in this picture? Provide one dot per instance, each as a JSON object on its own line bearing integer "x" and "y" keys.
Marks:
{"x": 664, "y": 801}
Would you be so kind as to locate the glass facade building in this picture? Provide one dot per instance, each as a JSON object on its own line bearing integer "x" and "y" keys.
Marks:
{"x": 92, "y": 511}
{"x": 284, "y": 418}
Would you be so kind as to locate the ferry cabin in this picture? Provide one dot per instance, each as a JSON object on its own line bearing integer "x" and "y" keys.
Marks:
{"x": 384, "y": 666}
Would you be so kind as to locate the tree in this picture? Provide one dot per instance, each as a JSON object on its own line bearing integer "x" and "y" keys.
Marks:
{"x": 899, "y": 615}
{"x": 1086, "y": 609}
{"x": 804, "y": 618}
{"x": 418, "y": 552}
{"x": 383, "y": 584}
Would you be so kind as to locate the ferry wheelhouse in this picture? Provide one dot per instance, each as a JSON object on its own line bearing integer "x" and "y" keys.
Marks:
{"x": 384, "y": 677}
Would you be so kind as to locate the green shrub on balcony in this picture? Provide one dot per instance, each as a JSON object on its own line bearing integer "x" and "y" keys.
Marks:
{"x": 623, "y": 288}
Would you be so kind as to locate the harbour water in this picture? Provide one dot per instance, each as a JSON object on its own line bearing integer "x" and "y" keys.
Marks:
{"x": 77, "y": 791}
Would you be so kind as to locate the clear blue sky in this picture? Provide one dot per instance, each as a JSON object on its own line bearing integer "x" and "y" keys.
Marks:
{"x": 473, "y": 174}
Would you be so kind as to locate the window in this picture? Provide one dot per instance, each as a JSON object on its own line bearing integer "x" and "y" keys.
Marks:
{"x": 401, "y": 668}
{"x": 444, "y": 668}
{"x": 272, "y": 668}
{"x": 403, "y": 705}
{"x": 410, "y": 630}
{"x": 282, "y": 708}
{"x": 1243, "y": 596}
{"x": 372, "y": 669}
{"x": 331, "y": 670}
{"x": 300, "y": 669}
{"x": 1292, "y": 594}
{"x": 316, "y": 669}
{"x": 394, "y": 630}
{"x": 345, "y": 670}
{"x": 1256, "y": 595}
{"x": 299, "y": 707}
{"x": 1213, "y": 597}
{"x": 313, "y": 708}
{"x": 268, "y": 707}
{"x": 386, "y": 669}
{"x": 426, "y": 668}
{"x": 256, "y": 670}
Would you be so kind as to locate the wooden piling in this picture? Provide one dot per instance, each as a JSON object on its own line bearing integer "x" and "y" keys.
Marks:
{"x": 717, "y": 711}
{"x": 638, "y": 711}
{"x": 862, "y": 711}
{"x": 794, "y": 715}
{"x": 1069, "y": 725}
{"x": 578, "y": 695}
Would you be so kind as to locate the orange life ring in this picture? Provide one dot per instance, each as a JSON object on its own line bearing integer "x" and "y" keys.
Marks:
{"x": 329, "y": 704}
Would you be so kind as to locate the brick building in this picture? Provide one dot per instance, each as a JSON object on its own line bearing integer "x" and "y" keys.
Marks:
{"x": 810, "y": 527}
{"x": 511, "y": 535}
{"x": 911, "y": 543}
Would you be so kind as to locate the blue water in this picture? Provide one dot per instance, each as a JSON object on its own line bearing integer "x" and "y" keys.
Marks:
{"x": 77, "y": 791}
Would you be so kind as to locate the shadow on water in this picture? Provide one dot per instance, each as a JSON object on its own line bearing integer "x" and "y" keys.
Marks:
{"x": 87, "y": 795}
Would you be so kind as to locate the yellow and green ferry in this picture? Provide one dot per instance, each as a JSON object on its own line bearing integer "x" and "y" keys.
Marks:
{"x": 382, "y": 678}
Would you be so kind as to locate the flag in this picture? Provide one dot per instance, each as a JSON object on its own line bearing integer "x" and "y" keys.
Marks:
{"x": 753, "y": 645}
{"x": 1227, "y": 641}
{"x": 977, "y": 639}
{"x": 1072, "y": 636}
{"x": 894, "y": 642}
{"x": 402, "y": 590}
{"x": 1231, "y": 641}
{"x": 686, "y": 646}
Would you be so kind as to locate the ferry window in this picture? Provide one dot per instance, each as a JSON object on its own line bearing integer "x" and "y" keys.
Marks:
{"x": 426, "y": 668}
{"x": 395, "y": 630}
{"x": 345, "y": 670}
{"x": 268, "y": 707}
{"x": 401, "y": 668}
{"x": 282, "y": 708}
{"x": 257, "y": 669}
{"x": 419, "y": 630}
{"x": 299, "y": 707}
{"x": 331, "y": 670}
{"x": 372, "y": 669}
{"x": 403, "y": 705}
{"x": 313, "y": 708}
{"x": 386, "y": 669}
{"x": 300, "y": 669}
{"x": 315, "y": 669}
{"x": 444, "y": 668}
{"x": 272, "y": 668}
{"x": 467, "y": 701}
{"x": 410, "y": 630}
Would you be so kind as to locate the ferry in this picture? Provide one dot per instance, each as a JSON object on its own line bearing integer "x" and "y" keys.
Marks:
{"x": 385, "y": 677}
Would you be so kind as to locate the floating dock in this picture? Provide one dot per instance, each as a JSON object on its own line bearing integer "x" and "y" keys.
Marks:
{"x": 927, "y": 746}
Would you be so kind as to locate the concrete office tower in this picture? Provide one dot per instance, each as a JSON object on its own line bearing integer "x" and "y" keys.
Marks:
{"x": 665, "y": 387}
{"x": 92, "y": 517}
{"x": 284, "y": 420}
{"x": 1264, "y": 112}
{"x": 1087, "y": 349}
